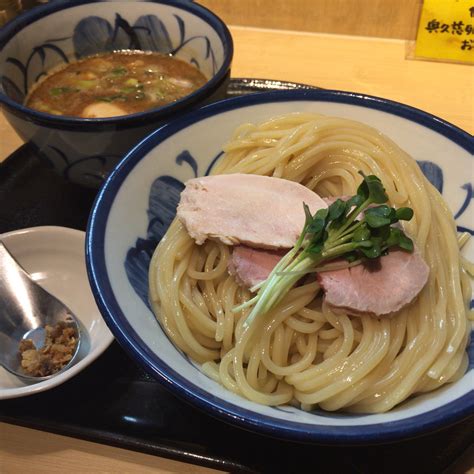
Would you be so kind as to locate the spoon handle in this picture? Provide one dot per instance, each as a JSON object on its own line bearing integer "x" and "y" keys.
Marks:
{"x": 17, "y": 294}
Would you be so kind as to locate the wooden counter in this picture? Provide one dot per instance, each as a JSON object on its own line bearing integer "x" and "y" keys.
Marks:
{"x": 367, "y": 65}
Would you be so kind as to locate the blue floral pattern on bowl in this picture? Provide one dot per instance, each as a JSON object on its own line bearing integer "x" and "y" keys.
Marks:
{"x": 129, "y": 219}
{"x": 19, "y": 90}
{"x": 162, "y": 203}
{"x": 164, "y": 198}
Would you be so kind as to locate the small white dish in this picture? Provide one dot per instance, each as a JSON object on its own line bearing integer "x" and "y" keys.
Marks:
{"x": 54, "y": 257}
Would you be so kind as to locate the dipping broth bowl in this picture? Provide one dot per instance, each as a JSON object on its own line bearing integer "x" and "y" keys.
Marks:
{"x": 138, "y": 201}
{"x": 86, "y": 150}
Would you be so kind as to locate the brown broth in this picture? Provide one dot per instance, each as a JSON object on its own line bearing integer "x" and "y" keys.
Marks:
{"x": 118, "y": 83}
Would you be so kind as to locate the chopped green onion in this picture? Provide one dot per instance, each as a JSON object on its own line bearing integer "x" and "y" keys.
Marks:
{"x": 131, "y": 82}
{"x": 112, "y": 98}
{"x": 119, "y": 71}
{"x": 57, "y": 91}
{"x": 86, "y": 84}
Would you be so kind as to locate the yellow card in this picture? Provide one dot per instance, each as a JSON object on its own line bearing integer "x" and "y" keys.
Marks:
{"x": 445, "y": 30}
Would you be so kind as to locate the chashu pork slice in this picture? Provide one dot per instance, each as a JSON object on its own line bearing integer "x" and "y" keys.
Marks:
{"x": 252, "y": 266}
{"x": 377, "y": 287}
{"x": 258, "y": 211}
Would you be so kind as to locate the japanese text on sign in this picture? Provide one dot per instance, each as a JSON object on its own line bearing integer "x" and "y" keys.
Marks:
{"x": 446, "y": 30}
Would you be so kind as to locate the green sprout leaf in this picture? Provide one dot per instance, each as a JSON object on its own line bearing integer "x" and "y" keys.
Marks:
{"x": 364, "y": 244}
{"x": 372, "y": 188}
{"x": 394, "y": 237}
{"x": 406, "y": 243}
{"x": 378, "y": 216}
{"x": 404, "y": 213}
{"x": 351, "y": 230}
{"x": 372, "y": 252}
{"x": 362, "y": 234}
{"x": 336, "y": 209}
{"x": 318, "y": 224}
{"x": 354, "y": 201}
{"x": 308, "y": 216}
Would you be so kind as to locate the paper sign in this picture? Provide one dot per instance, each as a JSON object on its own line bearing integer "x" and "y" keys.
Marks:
{"x": 445, "y": 30}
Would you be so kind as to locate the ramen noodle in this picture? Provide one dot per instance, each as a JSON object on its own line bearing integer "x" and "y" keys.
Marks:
{"x": 303, "y": 352}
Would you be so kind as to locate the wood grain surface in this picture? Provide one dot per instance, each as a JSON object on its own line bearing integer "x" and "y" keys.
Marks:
{"x": 374, "y": 66}
{"x": 381, "y": 18}
{"x": 23, "y": 450}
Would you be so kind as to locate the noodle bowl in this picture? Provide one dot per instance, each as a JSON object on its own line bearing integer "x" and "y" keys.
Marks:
{"x": 303, "y": 352}
{"x": 136, "y": 206}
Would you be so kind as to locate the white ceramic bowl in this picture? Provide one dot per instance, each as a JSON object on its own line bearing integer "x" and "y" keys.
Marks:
{"x": 54, "y": 257}
{"x": 86, "y": 150}
{"x": 138, "y": 201}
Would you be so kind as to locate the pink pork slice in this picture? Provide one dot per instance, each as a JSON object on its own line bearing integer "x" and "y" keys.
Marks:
{"x": 258, "y": 211}
{"x": 252, "y": 266}
{"x": 380, "y": 287}
{"x": 377, "y": 287}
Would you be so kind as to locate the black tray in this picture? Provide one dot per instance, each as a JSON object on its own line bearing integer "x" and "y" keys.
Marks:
{"x": 117, "y": 403}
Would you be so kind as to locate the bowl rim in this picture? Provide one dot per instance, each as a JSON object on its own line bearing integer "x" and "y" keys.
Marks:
{"x": 443, "y": 416}
{"x": 122, "y": 121}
